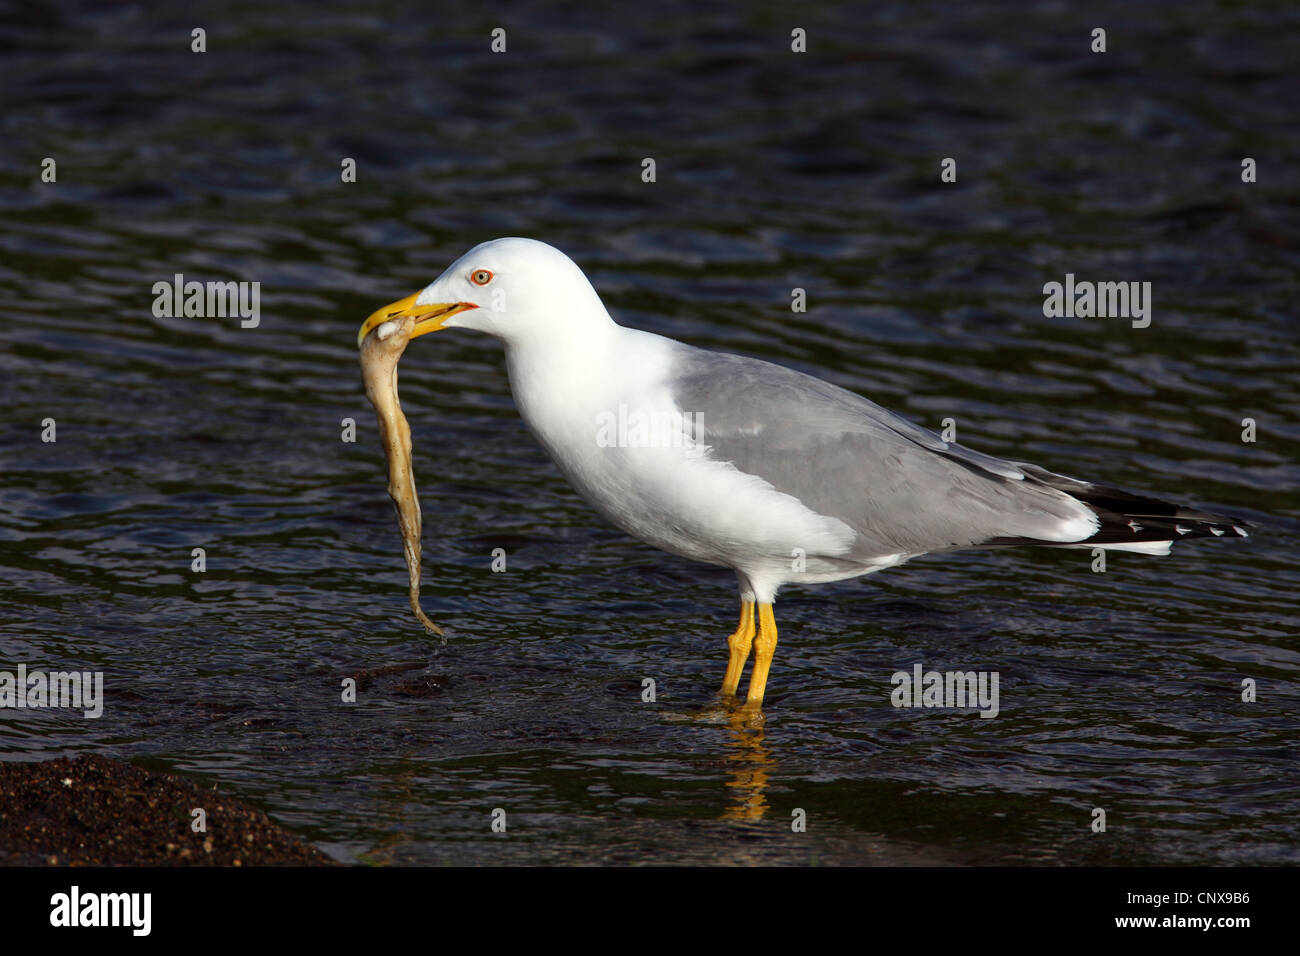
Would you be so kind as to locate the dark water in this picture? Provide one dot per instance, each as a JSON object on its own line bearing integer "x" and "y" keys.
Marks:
{"x": 775, "y": 170}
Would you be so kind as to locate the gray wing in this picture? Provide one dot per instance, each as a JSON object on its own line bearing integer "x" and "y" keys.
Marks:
{"x": 900, "y": 487}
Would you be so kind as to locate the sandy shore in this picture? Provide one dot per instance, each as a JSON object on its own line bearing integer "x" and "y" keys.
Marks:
{"x": 94, "y": 811}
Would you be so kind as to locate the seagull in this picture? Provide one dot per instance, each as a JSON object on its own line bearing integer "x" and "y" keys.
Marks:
{"x": 742, "y": 463}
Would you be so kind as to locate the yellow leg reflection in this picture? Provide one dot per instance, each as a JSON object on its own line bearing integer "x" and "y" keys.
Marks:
{"x": 739, "y": 644}
{"x": 750, "y": 764}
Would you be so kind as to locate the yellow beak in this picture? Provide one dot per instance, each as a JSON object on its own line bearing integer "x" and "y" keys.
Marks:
{"x": 428, "y": 318}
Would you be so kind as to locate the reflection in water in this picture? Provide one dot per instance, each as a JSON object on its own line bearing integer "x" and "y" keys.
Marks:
{"x": 750, "y": 763}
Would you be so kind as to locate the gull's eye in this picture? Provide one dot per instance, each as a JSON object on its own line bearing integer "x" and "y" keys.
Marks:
{"x": 480, "y": 277}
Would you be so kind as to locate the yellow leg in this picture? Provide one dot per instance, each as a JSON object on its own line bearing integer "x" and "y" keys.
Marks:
{"x": 764, "y": 648}
{"x": 739, "y": 644}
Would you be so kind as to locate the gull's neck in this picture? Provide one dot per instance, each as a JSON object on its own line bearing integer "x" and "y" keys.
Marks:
{"x": 566, "y": 373}
{"x": 562, "y": 357}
